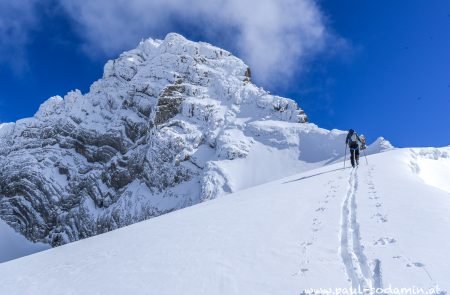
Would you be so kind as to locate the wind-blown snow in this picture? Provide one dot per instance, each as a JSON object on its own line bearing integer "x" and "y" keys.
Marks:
{"x": 380, "y": 225}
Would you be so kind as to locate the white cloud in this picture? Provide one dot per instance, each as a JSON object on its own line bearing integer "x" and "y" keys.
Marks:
{"x": 275, "y": 37}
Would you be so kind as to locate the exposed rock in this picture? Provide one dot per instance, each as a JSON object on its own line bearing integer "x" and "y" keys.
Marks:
{"x": 169, "y": 103}
{"x": 248, "y": 75}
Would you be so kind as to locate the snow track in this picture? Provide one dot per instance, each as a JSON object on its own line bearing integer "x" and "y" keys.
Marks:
{"x": 351, "y": 250}
{"x": 377, "y": 277}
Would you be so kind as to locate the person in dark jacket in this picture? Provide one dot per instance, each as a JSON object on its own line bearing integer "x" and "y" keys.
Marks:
{"x": 352, "y": 142}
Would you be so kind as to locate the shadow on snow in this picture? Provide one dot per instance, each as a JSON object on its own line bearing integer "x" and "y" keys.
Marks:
{"x": 309, "y": 176}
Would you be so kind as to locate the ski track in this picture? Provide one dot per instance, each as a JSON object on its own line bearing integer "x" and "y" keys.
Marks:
{"x": 359, "y": 271}
{"x": 351, "y": 250}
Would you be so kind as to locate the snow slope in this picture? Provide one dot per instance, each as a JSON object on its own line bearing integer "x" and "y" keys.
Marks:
{"x": 14, "y": 245}
{"x": 382, "y": 224}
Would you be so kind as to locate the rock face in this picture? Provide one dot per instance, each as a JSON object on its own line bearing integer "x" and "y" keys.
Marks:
{"x": 171, "y": 123}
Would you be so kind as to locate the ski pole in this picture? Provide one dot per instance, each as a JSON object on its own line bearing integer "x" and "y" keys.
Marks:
{"x": 345, "y": 154}
{"x": 364, "y": 151}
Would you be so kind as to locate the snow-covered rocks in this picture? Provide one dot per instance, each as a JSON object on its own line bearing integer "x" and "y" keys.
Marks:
{"x": 170, "y": 124}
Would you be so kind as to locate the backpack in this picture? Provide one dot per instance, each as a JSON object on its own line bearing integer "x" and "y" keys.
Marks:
{"x": 363, "y": 142}
{"x": 353, "y": 138}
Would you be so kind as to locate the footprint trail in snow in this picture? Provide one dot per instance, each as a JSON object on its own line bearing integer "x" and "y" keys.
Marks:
{"x": 351, "y": 250}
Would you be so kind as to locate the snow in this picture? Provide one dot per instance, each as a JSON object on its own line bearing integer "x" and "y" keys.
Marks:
{"x": 379, "y": 225}
{"x": 13, "y": 245}
{"x": 432, "y": 172}
{"x": 433, "y": 166}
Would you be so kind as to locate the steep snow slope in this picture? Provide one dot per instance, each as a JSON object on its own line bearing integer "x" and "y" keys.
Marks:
{"x": 380, "y": 225}
{"x": 171, "y": 123}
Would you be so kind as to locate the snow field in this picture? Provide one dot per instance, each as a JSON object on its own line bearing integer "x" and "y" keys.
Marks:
{"x": 379, "y": 225}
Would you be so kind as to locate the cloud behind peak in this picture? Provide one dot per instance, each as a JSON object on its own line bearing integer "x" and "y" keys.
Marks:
{"x": 275, "y": 37}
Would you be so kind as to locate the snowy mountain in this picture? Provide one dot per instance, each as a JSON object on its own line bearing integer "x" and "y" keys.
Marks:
{"x": 171, "y": 123}
{"x": 382, "y": 225}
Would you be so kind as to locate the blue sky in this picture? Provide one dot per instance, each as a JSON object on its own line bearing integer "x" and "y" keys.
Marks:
{"x": 380, "y": 67}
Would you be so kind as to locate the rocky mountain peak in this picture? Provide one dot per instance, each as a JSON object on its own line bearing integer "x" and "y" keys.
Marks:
{"x": 170, "y": 124}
